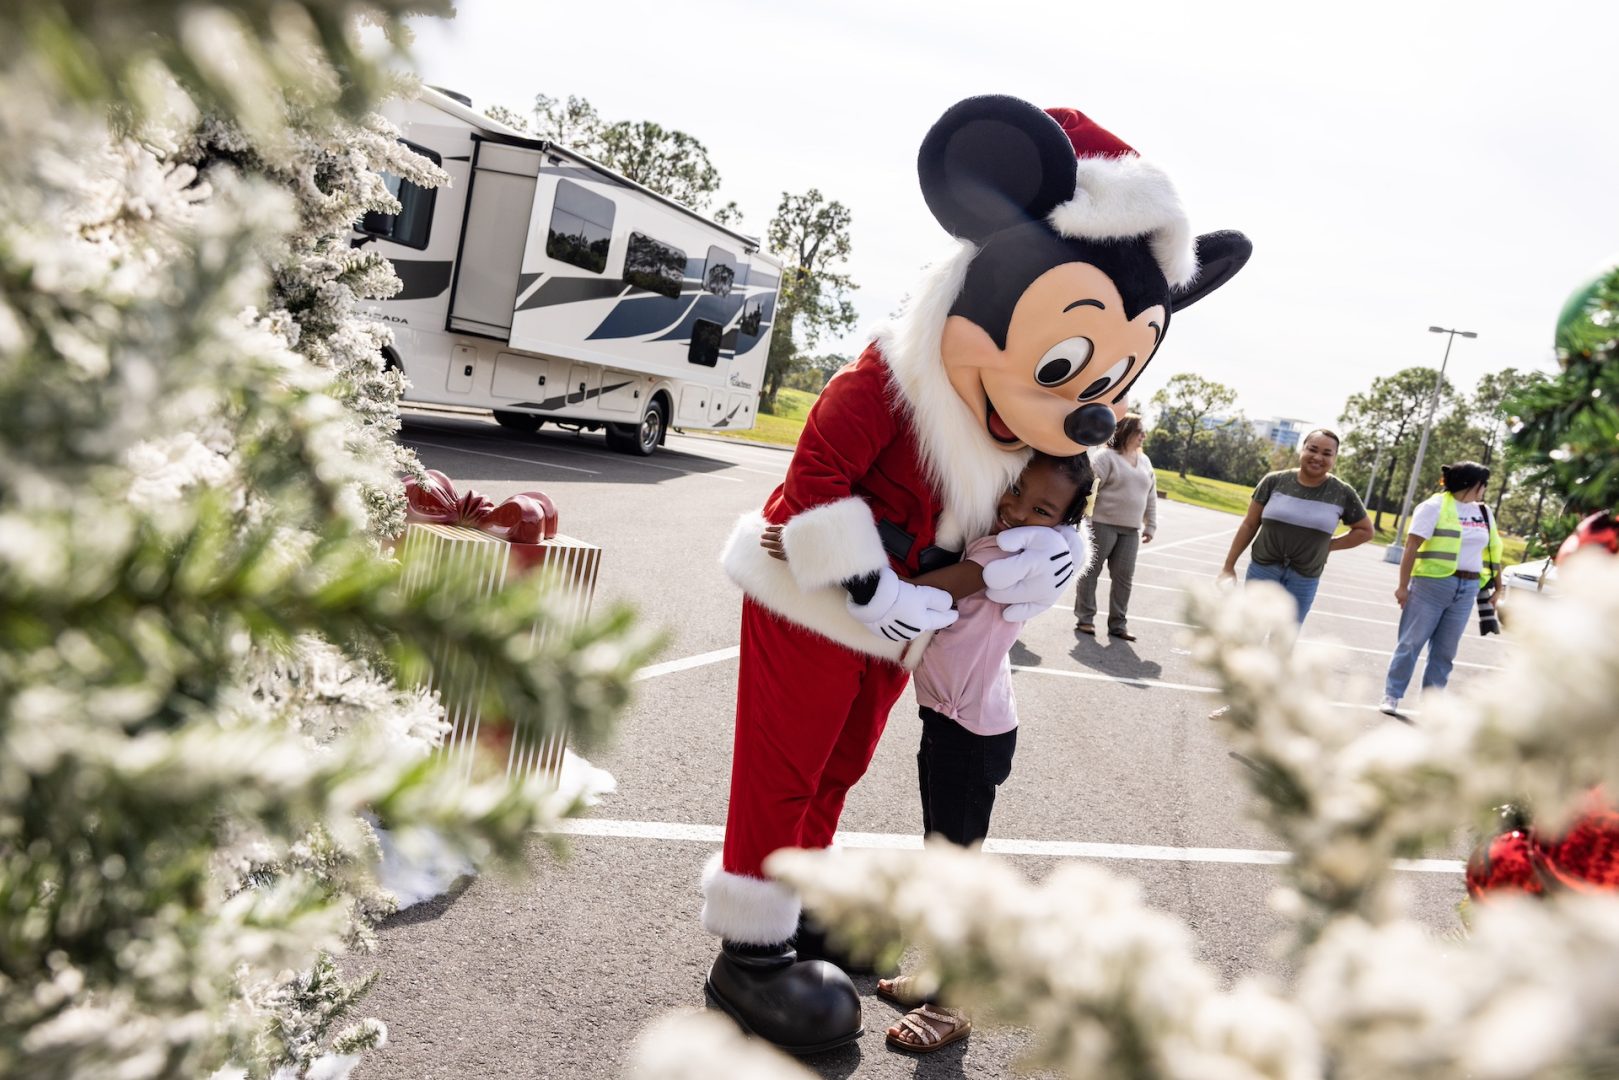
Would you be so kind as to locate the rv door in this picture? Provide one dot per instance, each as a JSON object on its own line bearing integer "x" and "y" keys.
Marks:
{"x": 500, "y": 199}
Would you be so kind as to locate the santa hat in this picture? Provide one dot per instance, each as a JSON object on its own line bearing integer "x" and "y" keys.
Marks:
{"x": 993, "y": 163}
{"x": 1119, "y": 195}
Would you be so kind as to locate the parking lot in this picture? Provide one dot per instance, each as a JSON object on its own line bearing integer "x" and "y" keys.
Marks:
{"x": 1117, "y": 761}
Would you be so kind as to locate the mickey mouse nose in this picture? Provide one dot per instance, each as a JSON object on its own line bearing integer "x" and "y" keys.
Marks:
{"x": 1089, "y": 425}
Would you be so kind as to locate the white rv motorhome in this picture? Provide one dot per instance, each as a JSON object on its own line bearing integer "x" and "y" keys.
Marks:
{"x": 547, "y": 288}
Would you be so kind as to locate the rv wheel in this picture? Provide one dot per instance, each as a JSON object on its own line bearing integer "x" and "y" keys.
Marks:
{"x": 523, "y": 423}
{"x": 639, "y": 439}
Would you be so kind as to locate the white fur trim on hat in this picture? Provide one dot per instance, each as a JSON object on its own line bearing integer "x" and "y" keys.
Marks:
{"x": 833, "y": 542}
{"x": 1120, "y": 197}
{"x": 770, "y": 584}
{"x": 747, "y": 910}
{"x": 962, "y": 462}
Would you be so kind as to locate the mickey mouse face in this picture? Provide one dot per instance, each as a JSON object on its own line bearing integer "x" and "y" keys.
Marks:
{"x": 1072, "y": 283}
{"x": 1071, "y": 353}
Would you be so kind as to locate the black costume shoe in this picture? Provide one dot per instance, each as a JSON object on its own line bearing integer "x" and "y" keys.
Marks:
{"x": 802, "y": 1007}
{"x": 810, "y": 943}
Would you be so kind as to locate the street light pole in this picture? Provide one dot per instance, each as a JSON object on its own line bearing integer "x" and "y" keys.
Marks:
{"x": 1394, "y": 552}
{"x": 1377, "y": 463}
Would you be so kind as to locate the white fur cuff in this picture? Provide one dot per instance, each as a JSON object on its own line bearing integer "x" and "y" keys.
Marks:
{"x": 832, "y": 543}
{"x": 747, "y": 910}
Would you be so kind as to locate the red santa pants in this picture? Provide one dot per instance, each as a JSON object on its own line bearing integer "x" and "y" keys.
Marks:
{"x": 809, "y": 713}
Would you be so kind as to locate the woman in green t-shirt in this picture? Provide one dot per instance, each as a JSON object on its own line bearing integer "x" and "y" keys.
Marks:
{"x": 1291, "y": 520}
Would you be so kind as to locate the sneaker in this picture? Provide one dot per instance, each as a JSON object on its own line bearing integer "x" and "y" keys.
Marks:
{"x": 1220, "y": 712}
{"x": 1390, "y": 706}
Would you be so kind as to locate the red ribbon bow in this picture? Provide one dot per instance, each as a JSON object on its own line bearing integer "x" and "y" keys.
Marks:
{"x": 528, "y": 518}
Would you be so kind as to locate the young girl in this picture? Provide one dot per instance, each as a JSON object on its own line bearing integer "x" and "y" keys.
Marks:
{"x": 964, "y": 690}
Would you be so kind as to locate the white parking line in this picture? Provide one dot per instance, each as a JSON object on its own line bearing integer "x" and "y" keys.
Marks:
{"x": 1156, "y": 547}
{"x": 551, "y": 448}
{"x": 411, "y": 440}
{"x": 1159, "y": 684}
{"x": 681, "y": 832}
{"x": 1317, "y": 643}
{"x": 654, "y": 670}
{"x": 1334, "y": 575}
{"x": 1319, "y": 595}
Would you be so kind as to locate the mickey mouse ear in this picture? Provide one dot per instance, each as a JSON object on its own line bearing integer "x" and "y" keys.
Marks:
{"x": 992, "y": 162}
{"x": 1219, "y": 256}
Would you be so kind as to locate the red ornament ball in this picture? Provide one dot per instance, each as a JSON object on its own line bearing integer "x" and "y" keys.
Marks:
{"x": 1511, "y": 860}
{"x": 1587, "y": 857}
{"x": 1599, "y": 530}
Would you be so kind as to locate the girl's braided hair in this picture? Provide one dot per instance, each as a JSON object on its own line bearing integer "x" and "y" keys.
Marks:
{"x": 1078, "y": 469}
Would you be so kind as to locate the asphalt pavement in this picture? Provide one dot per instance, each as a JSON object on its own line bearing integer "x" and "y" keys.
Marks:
{"x": 553, "y": 976}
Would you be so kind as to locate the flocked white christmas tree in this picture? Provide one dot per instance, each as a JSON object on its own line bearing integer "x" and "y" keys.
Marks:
{"x": 206, "y": 661}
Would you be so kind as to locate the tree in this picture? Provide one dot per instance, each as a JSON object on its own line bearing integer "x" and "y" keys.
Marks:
{"x": 1383, "y": 423}
{"x": 811, "y": 373}
{"x": 1184, "y": 404}
{"x": 1229, "y": 450}
{"x": 811, "y": 233}
{"x": 573, "y": 122}
{"x": 500, "y": 114}
{"x": 670, "y": 162}
{"x": 207, "y": 669}
{"x": 1235, "y": 453}
{"x": 1569, "y": 423}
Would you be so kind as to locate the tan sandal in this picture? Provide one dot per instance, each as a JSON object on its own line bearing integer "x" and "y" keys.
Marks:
{"x": 922, "y": 1023}
{"x": 901, "y": 990}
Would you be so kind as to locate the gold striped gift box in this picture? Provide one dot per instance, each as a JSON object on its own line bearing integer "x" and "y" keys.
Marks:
{"x": 570, "y": 565}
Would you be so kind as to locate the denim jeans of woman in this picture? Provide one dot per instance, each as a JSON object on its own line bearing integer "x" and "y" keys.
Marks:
{"x": 1437, "y": 611}
{"x": 1300, "y": 587}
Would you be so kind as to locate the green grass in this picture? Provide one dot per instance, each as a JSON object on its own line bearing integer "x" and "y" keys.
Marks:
{"x": 782, "y": 428}
{"x": 1198, "y": 491}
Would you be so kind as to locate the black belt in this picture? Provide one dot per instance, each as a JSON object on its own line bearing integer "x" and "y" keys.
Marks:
{"x": 1468, "y": 575}
{"x": 898, "y": 543}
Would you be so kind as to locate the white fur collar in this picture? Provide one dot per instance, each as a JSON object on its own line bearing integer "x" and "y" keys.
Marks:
{"x": 958, "y": 456}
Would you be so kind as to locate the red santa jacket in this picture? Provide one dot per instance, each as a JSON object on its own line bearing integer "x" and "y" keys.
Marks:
{"x": 857, "y": 464}
{"x": 858, "y": 442}
{"x": 883, "y": 450}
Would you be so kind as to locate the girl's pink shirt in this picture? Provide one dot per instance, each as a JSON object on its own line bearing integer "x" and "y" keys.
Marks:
{"x": 965, "y": 672}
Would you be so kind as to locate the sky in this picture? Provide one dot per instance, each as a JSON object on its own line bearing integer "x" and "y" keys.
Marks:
{"x": 1397, "y": 165}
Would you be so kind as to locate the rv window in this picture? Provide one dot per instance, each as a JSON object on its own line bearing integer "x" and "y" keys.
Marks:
{"x": 654, "y": 266}
{"x": 719, "y": 276}
{"x": 581, "y": 227}
{"x": 752, "y": 316}
{"x": 705, "y": 343}
{"x": 414, "y": 221}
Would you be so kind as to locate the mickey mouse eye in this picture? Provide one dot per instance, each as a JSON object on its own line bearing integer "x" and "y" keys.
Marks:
{"x": 1063, "y": 361}
{"x": 1113, "y": 377}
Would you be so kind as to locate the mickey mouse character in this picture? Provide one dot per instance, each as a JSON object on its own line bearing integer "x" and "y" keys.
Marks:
{"x": 1074, "y": 254}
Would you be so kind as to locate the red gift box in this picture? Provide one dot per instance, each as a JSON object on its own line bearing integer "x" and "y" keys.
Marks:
{"x": 494, "y": 541}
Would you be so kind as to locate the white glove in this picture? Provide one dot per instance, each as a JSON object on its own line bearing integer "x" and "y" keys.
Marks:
{"x": 1033, "y": 579}
{"x": 899, "y": 610}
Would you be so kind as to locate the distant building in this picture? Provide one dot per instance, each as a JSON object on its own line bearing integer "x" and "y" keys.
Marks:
{"x": 1281, "y": 430}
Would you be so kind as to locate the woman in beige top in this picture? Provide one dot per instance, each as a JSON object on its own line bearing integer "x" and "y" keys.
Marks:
{"x": 1124, "y": 517}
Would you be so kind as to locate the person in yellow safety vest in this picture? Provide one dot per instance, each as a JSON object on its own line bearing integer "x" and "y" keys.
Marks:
{"x": 1452, "y": 556}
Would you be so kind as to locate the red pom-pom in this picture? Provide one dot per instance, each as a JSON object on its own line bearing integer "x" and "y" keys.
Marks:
{"x": 1511, "y": 860}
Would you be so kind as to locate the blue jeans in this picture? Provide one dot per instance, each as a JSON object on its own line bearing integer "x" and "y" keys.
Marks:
{"x": 1300, "y": 588}
{"x": 1436, "y": 612}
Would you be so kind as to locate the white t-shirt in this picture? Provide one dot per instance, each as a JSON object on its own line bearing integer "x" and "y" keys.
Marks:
{"x": 1475, "y": 530}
